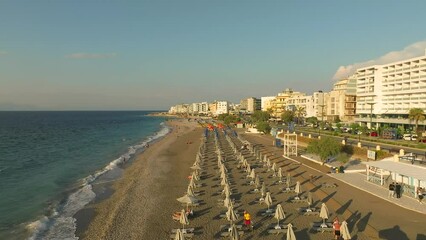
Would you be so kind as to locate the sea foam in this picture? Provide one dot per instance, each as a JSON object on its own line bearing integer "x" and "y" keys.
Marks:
{"x": 61, "y": 224}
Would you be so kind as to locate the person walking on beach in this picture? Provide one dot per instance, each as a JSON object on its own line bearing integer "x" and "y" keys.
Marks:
{"x": 420, "y": 195}
{"x": 392, "y": 190}
{"x": 247, "y": 220}
{"x": 398, "y": 190}
{"x": 336, "y": 228}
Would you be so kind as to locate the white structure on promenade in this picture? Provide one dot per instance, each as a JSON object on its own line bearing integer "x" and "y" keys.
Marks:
{"x": 179, "y": 109}
{"x": 386, "y": 93}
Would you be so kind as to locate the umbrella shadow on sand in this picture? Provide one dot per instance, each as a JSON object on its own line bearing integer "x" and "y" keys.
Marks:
{"x": 329, "y": 196}
{"x": 393, "y": 233}
{"x": 343, "y": 208}
{"x": 362, "y": 223}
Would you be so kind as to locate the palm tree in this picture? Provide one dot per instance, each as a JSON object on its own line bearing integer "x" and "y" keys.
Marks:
{"x": 416, "y": 115}
{"x": 300, "y": 113}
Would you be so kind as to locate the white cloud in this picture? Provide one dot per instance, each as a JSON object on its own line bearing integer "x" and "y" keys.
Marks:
{"x": 413, "y": 50}
{"x": 91, "y": 55}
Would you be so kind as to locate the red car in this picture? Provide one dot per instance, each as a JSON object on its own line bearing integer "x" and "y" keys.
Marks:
{"x": 374, "y": 134}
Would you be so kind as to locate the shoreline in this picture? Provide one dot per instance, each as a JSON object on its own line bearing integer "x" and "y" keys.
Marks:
{"x": 131, "y": 197}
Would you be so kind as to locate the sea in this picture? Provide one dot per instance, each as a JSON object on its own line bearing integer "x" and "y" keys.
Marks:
{"x": 50, "y": 161}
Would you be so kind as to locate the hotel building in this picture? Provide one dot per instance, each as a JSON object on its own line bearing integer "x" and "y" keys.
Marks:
{"x": 386, "y": 93}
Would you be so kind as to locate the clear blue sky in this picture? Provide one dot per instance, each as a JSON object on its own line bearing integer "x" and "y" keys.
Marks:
{"x": 70, "y": 55}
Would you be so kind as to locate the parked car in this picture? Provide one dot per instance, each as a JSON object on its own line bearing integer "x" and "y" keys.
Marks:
{"x": 374, "y": 134}
{"x": 410, "y": 137}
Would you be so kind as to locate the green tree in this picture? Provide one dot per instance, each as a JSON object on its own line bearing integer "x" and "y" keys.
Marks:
{"x": 300, "y": 113}
{"x": 287, "y": 116}
{"x": 416, "y": 115}
{"x": 325, "y": 148}
{"x": 260, "y": 116}
{"x": 263, "y": 126}
{"x": 312, "y": 120}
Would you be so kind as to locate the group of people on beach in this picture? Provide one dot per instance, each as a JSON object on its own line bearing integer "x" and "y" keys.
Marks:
{"x": 395, "y": 189}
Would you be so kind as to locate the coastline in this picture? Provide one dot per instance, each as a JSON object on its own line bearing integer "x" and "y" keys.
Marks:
{"x": 140, "y": 193}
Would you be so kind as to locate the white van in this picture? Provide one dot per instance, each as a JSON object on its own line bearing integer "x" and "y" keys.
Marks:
{"x": 410, "y": 137}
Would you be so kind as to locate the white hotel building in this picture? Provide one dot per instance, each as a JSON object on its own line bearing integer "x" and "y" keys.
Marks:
{"x": 389, "y": 91}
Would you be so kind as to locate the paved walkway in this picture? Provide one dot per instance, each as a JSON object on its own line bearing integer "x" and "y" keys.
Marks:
{"x": 359, "y": 180}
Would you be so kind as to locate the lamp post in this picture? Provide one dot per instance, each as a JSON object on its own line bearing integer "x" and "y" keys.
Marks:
{"x": 371, "y": 114}
{"x": 322, "y": 112}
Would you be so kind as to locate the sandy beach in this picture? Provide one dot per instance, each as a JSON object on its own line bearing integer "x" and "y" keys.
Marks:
{"x": 144, "y": 197}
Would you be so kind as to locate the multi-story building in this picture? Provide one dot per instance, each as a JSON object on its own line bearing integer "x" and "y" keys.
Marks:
{"x": 341, "y": 101}
{"x": 279, "y": 104}
{"x": 266, "y": 103}
{"x": 253, "y": 104}
{"x": 386, "y": 93}
{"x": 222, "y": 107}
{"x": 179, "y": 109}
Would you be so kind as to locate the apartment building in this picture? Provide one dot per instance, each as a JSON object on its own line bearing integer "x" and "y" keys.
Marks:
{"x": 222, "y": 107}
{"x": 266, "y": 103}
{"x": 386, "y": 93}
{"x": 341, "y": 101}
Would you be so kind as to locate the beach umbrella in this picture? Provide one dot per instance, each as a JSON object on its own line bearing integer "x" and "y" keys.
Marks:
{"x": 195, "y": 167}
{"x": 252, "y": 174}
{"x": 274, "y": 167}
{"x": 190, "y": 191}
{"x": 257, "y": 182}
{"x": 279, "y": 214}
{"x": 231, "y": 215}
{"x": 263, "y": 189}
{"x": 234, "y": 233}
{"x": 224, "y": 181}
{"x": 345, "y": 231}
{"x": 280, "y": 175}
{"x": 288, "y": 181}
{"x": 268, "y": 199}
{"x": 222, "y": 175}
{"x": 290, "y": 232}
{"x": 297, "y": 190}
{"x": 192, "y": 183}
{"x": 195, "y": 176}
{"x": 265, "y": 158}
{"x": 226, "y": 189}
{"x": 248, "y": 168}
{"x": 324, "y": 214}
{"x": 227, "y": 201}
{"x": 268, "y": 164}
{"x": 310, "y": 201}
{"x": 187, "y": 200}
{"x": 179, "y": 235}
{"x": 183, "y": 219}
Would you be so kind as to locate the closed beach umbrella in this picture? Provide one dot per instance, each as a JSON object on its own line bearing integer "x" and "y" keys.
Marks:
{"x": 190, "y": 191}
{"x": 226, "y": 189}
{"x": 274, "y": 167}
{"x": 192, "y": 183}
{"x": 183, "y": 219}
{"x": 227, "y": 201}
{"x": 257, "y": 182}
{"x": 309, "y": 200}
{"x": 195, "y": 176}
{"x": 231, "y": 215}
{"x": 234, "y": 233}
{"x": 179, "y": 235}
{"x": 345, "y": 231}
{"x": 222, "y": 175}
{"x": 195, "y": 167}
{"x": 290, "y": 232}
{"x": 263, "y": 189}
{"x": 324, "y": 214}
{"x": 279, "y": 213}
{"x": 298, "y": 189}
{"x": 268, "y": 164}
{"x": 224, "y": 181}
{"x": 268, "y": 199}
{"x": 248, "y": 169}
{"x": 252, "y": 174}
{"x": 280, "y": 174}
{"x": 288, "y": 181}
{"x": 265, "y": 158}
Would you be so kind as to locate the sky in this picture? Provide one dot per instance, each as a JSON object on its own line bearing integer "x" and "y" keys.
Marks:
{"x": 150, "y": 55}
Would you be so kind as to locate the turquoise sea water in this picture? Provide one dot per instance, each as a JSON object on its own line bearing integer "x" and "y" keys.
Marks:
{"x": 48, "y": 161}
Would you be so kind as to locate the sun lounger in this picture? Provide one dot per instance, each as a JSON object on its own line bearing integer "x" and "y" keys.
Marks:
{"x": 226, "y": 227}
{"x": 187, "y": 230}
{"x": 186, "y": 235}
{"x": 317, "y": 227}
{"x": 288, "y": 190}
{"x": 277, "y": 231}
{"x": 268, "y": 213}
{"x": 228, "y": 233}
{"x": 312, "y": 212}
{"x": 328, "y": 185}
{"x": 300, "y": 200}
